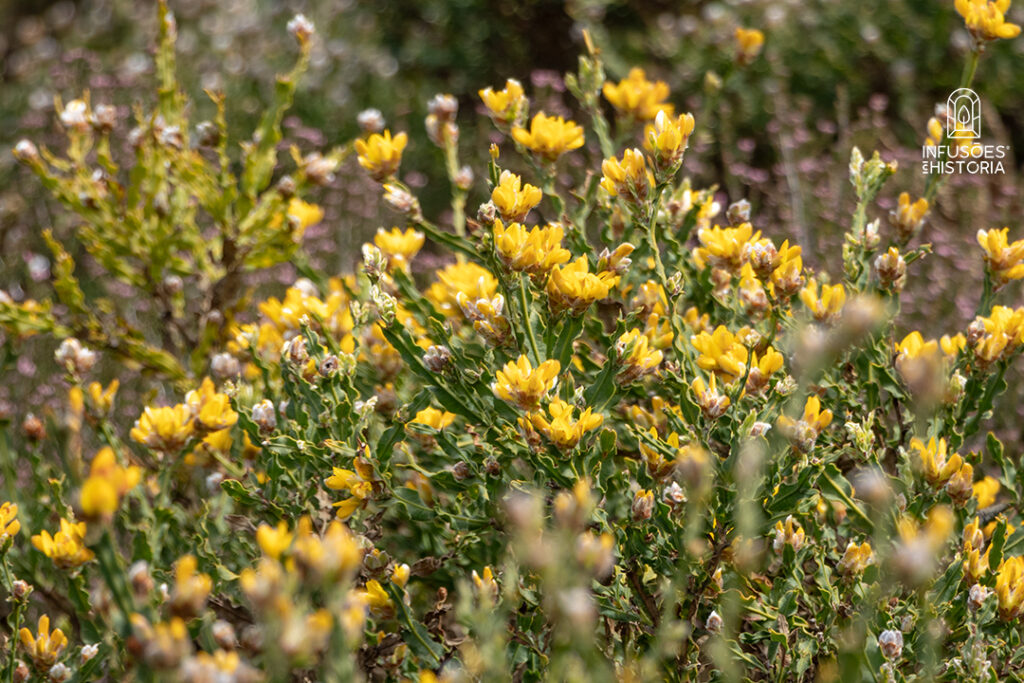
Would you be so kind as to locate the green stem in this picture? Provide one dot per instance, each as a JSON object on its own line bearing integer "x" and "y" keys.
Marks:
{"x": 653, "y": 239}
{"x": 527, "y": 319}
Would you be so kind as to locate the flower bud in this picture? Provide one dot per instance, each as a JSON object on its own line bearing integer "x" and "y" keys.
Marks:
{"x": 891, "y": 269}
{"x": 33, "y": 428}
{"x": 714, "y": 622}
{"x": 319, "y": 169}
{"x": 77, "y": 359}
{"x": 264, "y": 416}
{"x": 26, "y": 151}
{"x": 20, "y": 590}
{"x": 977, "y": 596}
{"x": 301, "y": 28}
{"x": 643, "y": 505}
{"x": 104, "y": 117}
{"x": 437, "y": 358}
{"x": 370, "y": 121}
{"x": 738, "y": 212}
{"x": 891, "y": 644}
{"x": 224, "y": 635}
{"x": 224, "y": 366}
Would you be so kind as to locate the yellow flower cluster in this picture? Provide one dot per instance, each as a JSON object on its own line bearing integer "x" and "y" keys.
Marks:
{"x": 67, "y": 547}
{"x": 513, "y": 199}
{"x": 805, "y": 431}
{"x": 563, "y": 429}
{"x": 506, "y": 105}
{"x": 986, "y": 19}
{"x": 1005, "y": 260}
{"x": 522, "y": 385}
{"x": 574, "y": 288}
{"x": 535, "y": 252}
{"x": 637, "y": 97}
{"x": 549, "y": 137}
{"x": 107, "y": 482}
{"x": 167, "y": 429}
{"x": 380, "y": 154}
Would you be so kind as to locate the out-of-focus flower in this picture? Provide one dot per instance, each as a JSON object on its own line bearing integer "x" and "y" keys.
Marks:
{"x": 106, "y": 484}
{"x": 380, "y": 154}
{"x": 637, "y": 97}
{"x": 165, "y": 429}
{"x": 358, "y": 483}
{"x": 891, "y": 644}
{"x": 67, "y": 547}
{"x": 400, "y": 247}
{"x": 549, "y": 137}
{"x": 749, "y": 42}
{"x": 522, "y": 385}
{"x": 856, "y": 558}
{"x": 827, "y": 306}
{"x": 985, "y": 491}
{"x": 191, "y": 588}
{"x": 274, "y": 541}
{"x": 986, "y": 20}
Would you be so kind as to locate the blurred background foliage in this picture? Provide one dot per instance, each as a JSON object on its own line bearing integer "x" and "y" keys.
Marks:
{"x": 833, "y": 74}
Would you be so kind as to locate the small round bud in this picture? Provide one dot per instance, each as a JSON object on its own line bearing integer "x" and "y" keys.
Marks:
{"x": 329, "y": 365}
{"x": 714, "y": 622}
{"x": 437, "y": 358}
{"x": 104, "y": 117}
{"x": 264, "y": 416}
{"x": 738, "y": 212}
{"x": 59, "y": 673}
{"x": 319, "y": 169}
{"x": 20, "y": 590}
{"x": 464, "y": 178}
{"x": 371, "y": 121}
{"x": 88, "y": 652}
{"x": 224, "y": 635}
{"x": 301, "y": 27}
{"x": 33, "y": 428}
{"x": 26, "y": 151}
{"x": 224, "y": 366}
{"x": 461, "y": 471}
{"x": 75, "y": 116}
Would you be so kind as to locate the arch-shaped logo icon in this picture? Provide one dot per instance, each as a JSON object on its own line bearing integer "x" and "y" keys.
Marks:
{"x": 963, "y": 114}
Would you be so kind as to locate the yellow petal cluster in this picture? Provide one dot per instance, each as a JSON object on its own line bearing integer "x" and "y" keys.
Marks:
{"x": 563, "y": 429}
{"x": 45, "y": 646}
{"x": 399, "y": 246}
{"x": 514, "y": 199}
{"x": 107, "y": 482}
{"x": 986, "y": 19}
{"x": 637, "y": 97}
{"x": 549, "y": 137}
{"x": 1005, "y": 260}
{"x": 536, "y": 251}
{"x": 67, "y": 547}
{"x": 522, "y": 385}
{"x": 574, "y": 288}
{"x": 380, "y": 154}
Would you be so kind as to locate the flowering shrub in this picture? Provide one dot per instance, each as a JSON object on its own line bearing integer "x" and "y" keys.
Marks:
{"x": 621, "y": 434}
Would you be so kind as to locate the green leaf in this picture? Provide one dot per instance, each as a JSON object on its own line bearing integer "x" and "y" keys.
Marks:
{"x": 415, "y": 635}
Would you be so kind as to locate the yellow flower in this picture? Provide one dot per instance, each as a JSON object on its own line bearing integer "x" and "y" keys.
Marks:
{"x": 712, "y": 403}
{"x": 563, "y": 430}
{"x": 789, "y": 533}
{"x": 762, "y": 368}
{"x": 164, "y": 429}
{"x": 908, "y": 217}
{"x": 504, "y": 105}
{"x": 9, "y": 524}
{"x": 535, "y": 252}
{"x": 513, "y": 198}
{"x": 627, "y": 177}
{"x": 191, "y": 588}
{"x": 805, "y": 431}
{"x": 937, "y": 467}
{"x": 212, "y": 410}
{"x": 358, "y": 483}
{"x": 636, "y": 357}
{"x": 829, "y": 305}
{"x": 476, "y": 282}
{"x": 573, "y": 287}
{"x": 329, "y": 558}
{"x": 986, "y": 19}
{"x": 787, "y": 278}
{"x": 486, "y": 585}
{"x": 985, "y": 491}
{"x": 975, "y": 563}
{"x": 658, "y": 465}
{"x": 380, "y": 154}
{"x": 432, "y": 417}
{"x": 103, "y": 399}
{"x": 400, "y": 575}
{"x": 549, "y": 136}
{"x": 45, "y": 647}
{"x": 749, "y": 42}
{"x": 107, "y": 482}
{"x": 856, "y": 558}
{"x": 1010, "y": 588}
{"x": 523, "y": 386}
{"x": 1005, "y": 260}
{"x": 376, "y": 598}
{"x": 724, "y": 248}
{"x": 952, "y": 346}
{"x": 935, "y": 132}
{"x": 274, "y": 541}
{"x": 666, "y": 140}
{"x": 67, "y": 547}
{"x": 400, "y": 247}
{"x": 721, "y": 352}
{"x": 638, "y": 97}
{"x": 302, "y": 214}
